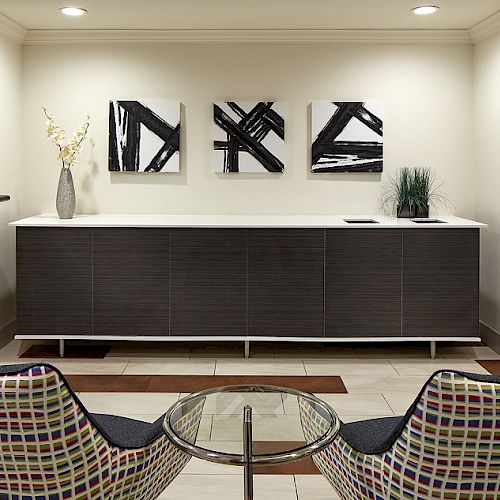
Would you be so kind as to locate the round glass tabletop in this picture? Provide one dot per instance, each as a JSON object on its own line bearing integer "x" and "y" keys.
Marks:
{"x": 285, "y": 424}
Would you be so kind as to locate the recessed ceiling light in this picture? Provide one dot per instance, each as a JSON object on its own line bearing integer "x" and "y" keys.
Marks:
{"x": 73, "y": 11}
{"x": 425, "y": 10}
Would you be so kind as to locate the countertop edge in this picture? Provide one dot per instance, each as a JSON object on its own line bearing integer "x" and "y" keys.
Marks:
{"x": 240, "y": 221}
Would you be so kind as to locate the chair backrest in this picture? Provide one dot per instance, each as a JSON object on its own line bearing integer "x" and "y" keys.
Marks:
{"x": 47, "y": 440}
{"x": 51, "y": 447}
{"x": 448, "y": 441}
{"x": 451, "y": 433}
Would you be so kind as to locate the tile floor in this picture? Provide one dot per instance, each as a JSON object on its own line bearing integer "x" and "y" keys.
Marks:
{"x": 381, "y": 380}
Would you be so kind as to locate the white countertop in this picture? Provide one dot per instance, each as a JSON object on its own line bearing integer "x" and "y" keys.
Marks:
{"x": 227, "y": 221}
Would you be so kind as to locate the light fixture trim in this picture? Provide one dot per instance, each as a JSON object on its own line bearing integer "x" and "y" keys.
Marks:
{"x": 425, "y": 10}
{"x": 73, "y": 11}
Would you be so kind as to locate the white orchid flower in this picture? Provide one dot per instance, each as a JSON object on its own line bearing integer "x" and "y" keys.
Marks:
{"x": 68, "y": 152}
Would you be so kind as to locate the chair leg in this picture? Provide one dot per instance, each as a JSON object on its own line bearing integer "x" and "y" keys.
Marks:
{"x": 61, "y": 348}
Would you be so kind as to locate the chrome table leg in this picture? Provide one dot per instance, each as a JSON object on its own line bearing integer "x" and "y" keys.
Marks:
{"x": 248, "y": 452}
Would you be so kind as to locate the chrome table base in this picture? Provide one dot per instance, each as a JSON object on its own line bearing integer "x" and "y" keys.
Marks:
{"x": 248, "y": 452}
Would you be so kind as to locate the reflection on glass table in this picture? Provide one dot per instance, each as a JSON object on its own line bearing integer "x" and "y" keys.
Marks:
{"x": 254, "y": 425}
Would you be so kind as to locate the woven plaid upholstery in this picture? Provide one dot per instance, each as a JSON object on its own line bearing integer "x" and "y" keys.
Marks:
{"x": 447, "y": 447}
{"x": 52, "y": 450}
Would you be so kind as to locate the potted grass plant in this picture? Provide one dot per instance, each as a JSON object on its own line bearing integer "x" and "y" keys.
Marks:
{"x": 426, "y": 192}
{"x": 399, "y": 195}
{"x": 411, "y": 193}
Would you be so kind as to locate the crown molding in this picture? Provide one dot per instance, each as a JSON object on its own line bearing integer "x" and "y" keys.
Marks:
{"x": 12, "y": 30}
{"x": 486, "y": 28}
{"x": 99, "y": 37}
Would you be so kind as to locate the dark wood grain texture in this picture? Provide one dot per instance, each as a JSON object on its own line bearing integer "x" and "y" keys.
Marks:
{"x": 195, "y": 383}
{"x": 54, "y": 281}
{"x": 285, "y": 282}
{"x": 441, "y": 282}
{"x": 492, "y": 365}
{"x": 131, "y": 281}
{"x": 259, "y": 282}
{"x": 363, "y": 282}
{"x": 208, "y": 282}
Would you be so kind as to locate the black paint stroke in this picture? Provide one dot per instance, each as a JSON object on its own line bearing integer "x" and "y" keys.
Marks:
{"x": 134, "y": 115}
{"x": 233, "y": 157}
{"x": 131, "y": 150}
{"x": 114, "y": 154}
{"x": 329, "y": 155}
{"x": 166, "y": 152}
{"x": 273, "y": 120}
{"x": 247, "y": 135}
{"x": 368, "y": 118}
{"x": 361, "y": 150}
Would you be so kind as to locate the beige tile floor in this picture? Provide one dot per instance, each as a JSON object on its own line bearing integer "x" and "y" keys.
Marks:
{"x": 381, "y": 380}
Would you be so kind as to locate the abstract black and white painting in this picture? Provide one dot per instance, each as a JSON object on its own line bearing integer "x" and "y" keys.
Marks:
{"x": 144, "y": 136}
{"x": 249, "y": 137}
{"x": 347, "y": 136}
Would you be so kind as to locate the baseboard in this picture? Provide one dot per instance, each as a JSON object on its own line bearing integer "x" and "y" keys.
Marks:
{"x": 490, "y": 337}
{"x": 7, "y": 333}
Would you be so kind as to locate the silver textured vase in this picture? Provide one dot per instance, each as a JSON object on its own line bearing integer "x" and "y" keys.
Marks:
{"x": 65, "y": 199}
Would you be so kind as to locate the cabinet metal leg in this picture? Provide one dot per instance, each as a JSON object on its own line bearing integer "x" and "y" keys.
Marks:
{"x": 433, "y": 349}
{"x": 61, "y": 348}
{"x": 248, "y": 452}
{"x": 247, "y": 349}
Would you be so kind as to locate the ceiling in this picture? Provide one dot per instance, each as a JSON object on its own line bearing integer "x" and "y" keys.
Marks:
{"x": 248, "y": 14}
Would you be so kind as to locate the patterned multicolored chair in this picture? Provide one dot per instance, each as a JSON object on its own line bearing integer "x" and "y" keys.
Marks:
{"x": 52, "y": 448}
{"x": 447, "y": 446}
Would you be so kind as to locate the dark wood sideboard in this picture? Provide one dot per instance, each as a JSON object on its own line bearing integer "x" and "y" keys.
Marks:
{"x": 245, "y": 283}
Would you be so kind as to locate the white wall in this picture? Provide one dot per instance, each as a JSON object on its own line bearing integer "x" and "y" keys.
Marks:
{"x": 487, "y": 172}
{"x": 427, "y": 92}
{"x": 10, "y": 167}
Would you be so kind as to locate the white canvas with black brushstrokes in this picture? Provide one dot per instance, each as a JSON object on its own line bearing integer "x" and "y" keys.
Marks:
{"x": 347, "y": 136}
{"x": 144, "y": 136}
{"x": 248, "y": 137}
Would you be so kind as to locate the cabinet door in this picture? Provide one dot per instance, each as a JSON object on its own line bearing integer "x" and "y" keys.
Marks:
{"x": 363, "y": 282}
{"x": 285, "y": 282}
{"x": 131, "y": 281}
{"x": 54, "y": 281}
{"x": 441, "y": 282}
{"x": 208, "y": 282}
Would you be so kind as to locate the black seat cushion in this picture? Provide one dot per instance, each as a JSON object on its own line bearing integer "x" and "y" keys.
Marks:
{"x": 126, "y": 432}
{"x": 372, "y": 436}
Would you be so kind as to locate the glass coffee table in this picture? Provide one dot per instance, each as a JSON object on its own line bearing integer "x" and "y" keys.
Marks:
{"x": 254, "y": 425}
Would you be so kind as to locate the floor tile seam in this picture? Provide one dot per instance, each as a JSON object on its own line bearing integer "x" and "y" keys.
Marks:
{"x": 395, "y": 369}
{"x": 304, "y": 367}
{"x": 211, "y": 428}
{"x": 295, "y": 485}
{"x": 388, "y": 404}
{"x": 149, "y": 383}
